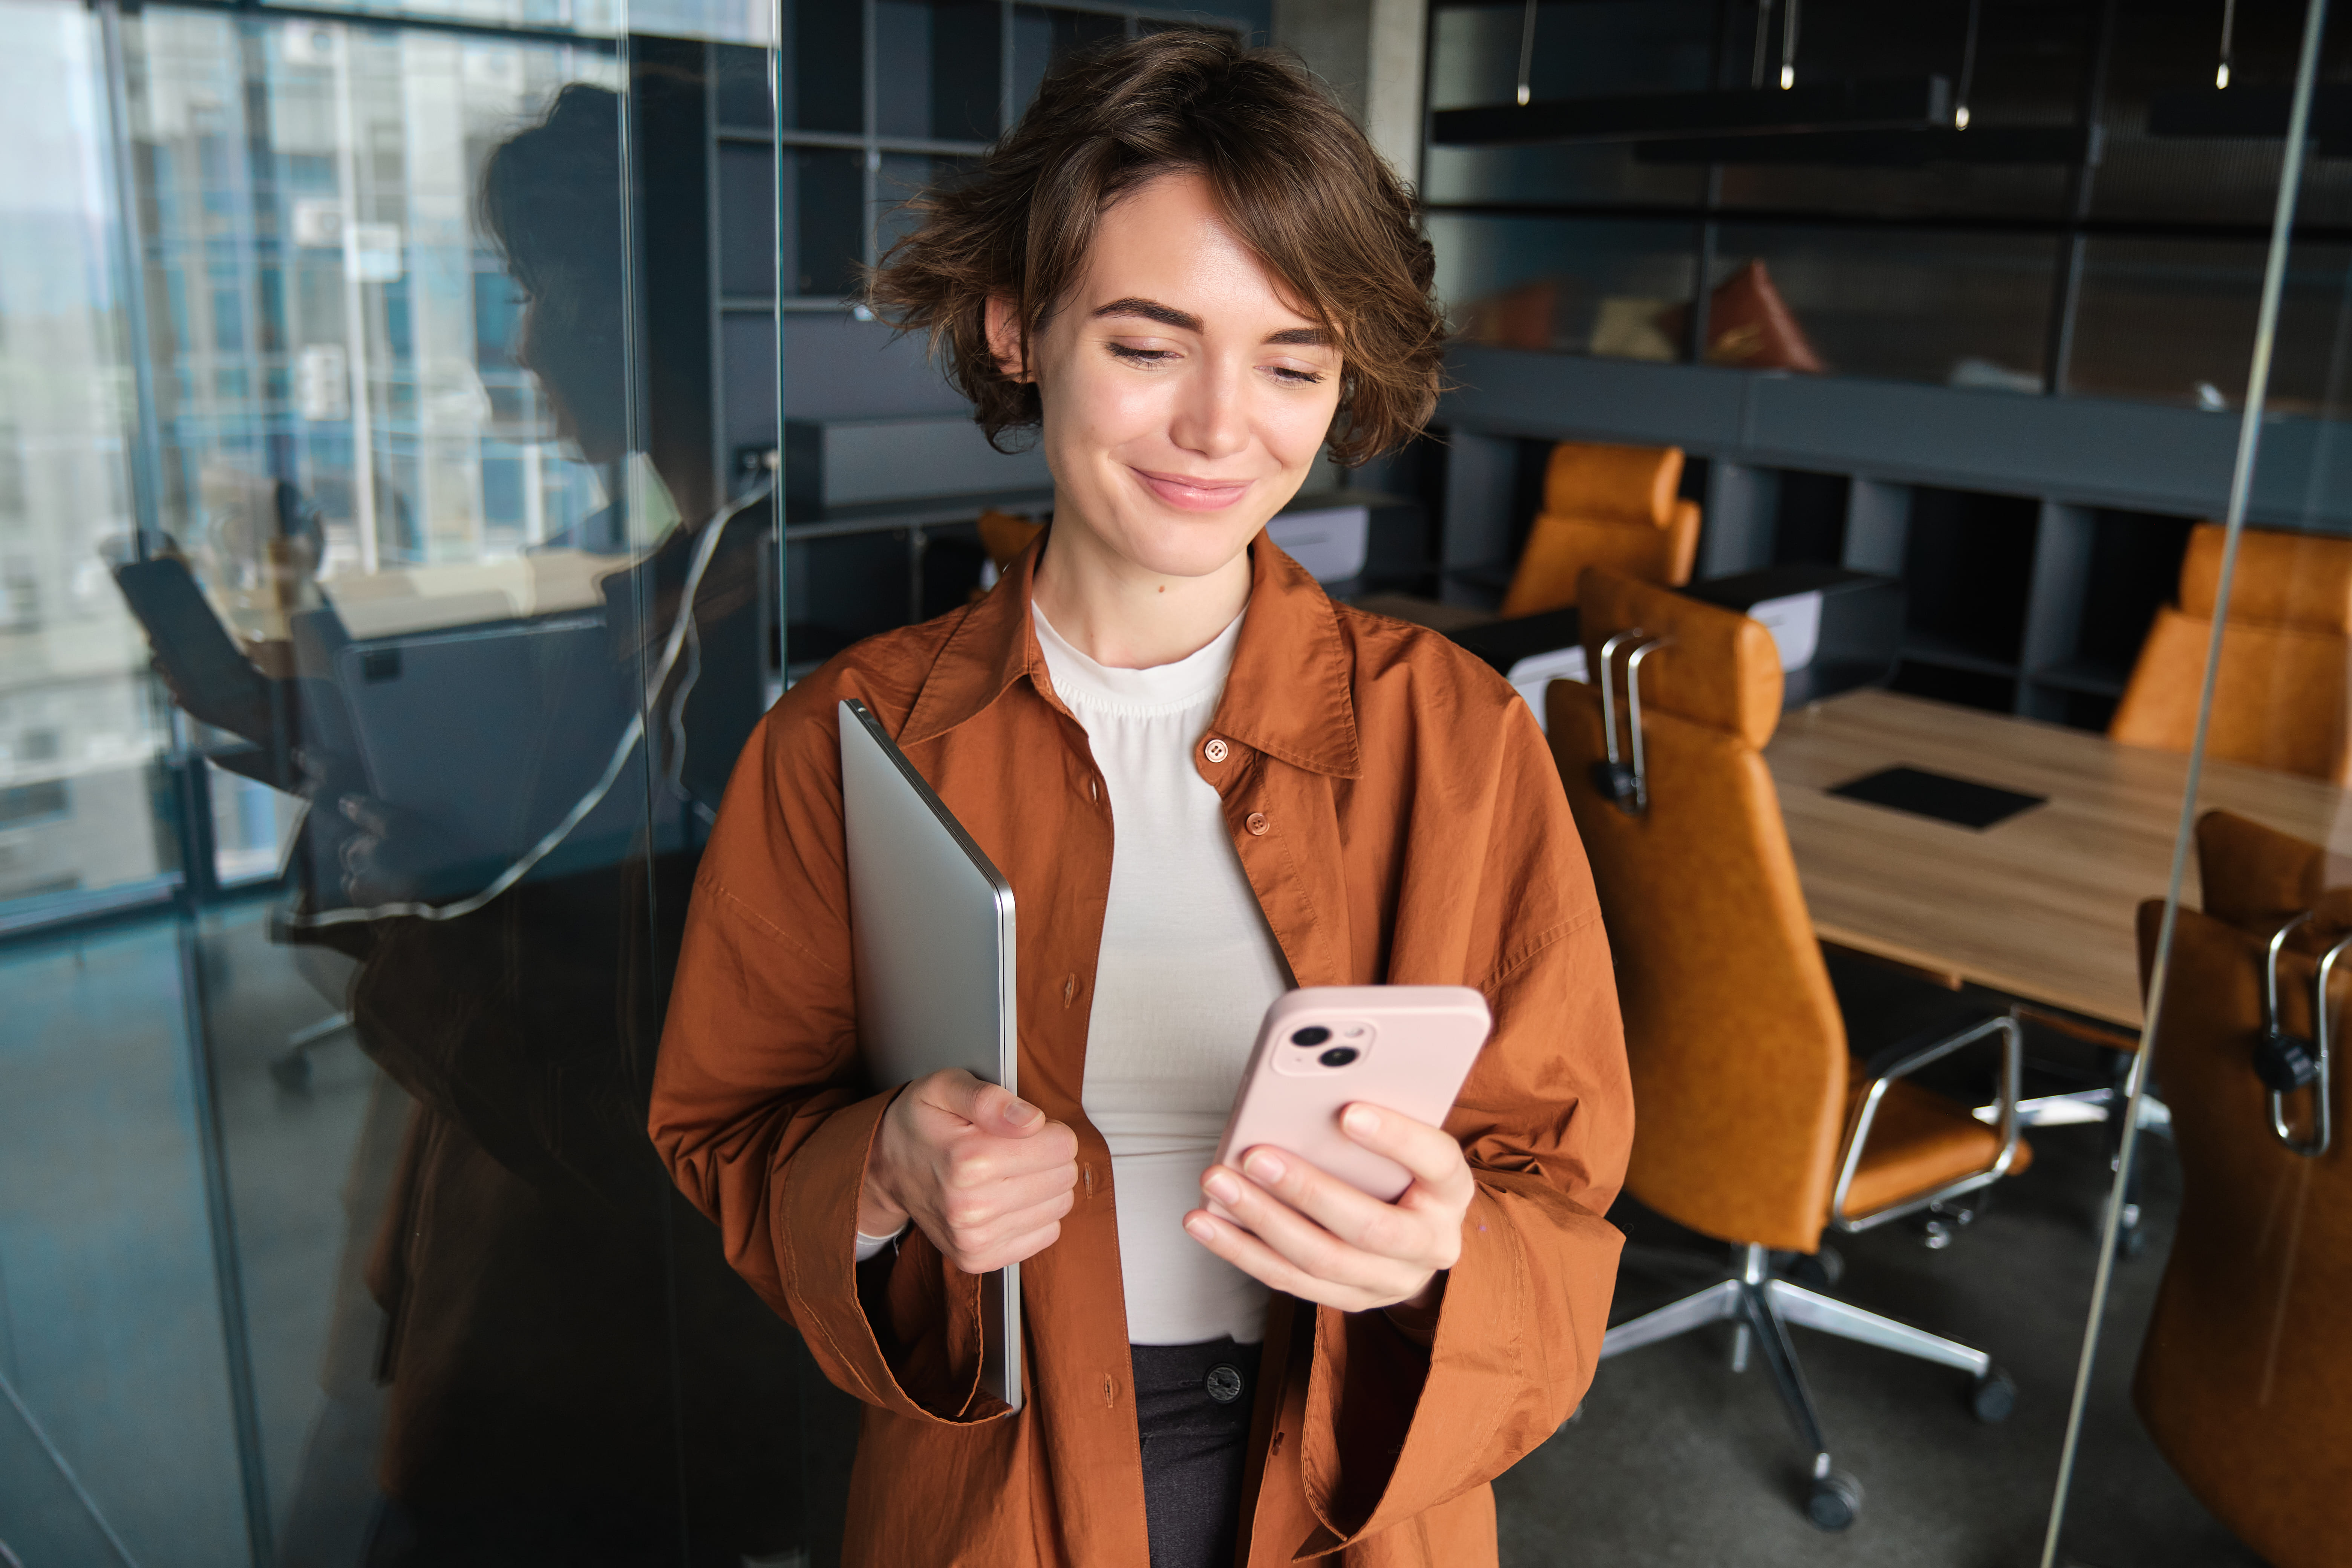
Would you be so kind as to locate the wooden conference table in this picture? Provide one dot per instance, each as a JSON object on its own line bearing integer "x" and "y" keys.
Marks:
{"x": 2039, "y": 907}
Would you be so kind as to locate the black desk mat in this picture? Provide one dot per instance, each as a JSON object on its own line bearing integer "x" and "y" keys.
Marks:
{"x": 1962, "y": 802}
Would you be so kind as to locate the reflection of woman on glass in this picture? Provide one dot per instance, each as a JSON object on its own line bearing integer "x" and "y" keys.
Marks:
{"x": 562, "y": 1340}
{"x": 1205, "y": 783}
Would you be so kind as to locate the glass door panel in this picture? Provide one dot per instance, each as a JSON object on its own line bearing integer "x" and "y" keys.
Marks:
{"x": 2217, "y": 1373}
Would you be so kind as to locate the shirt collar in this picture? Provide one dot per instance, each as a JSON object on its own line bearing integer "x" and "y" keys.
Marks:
{"x": 1288, "y": 695}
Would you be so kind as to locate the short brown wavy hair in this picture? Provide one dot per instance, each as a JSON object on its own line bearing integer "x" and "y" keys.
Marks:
{"x": 1299, "y": 184}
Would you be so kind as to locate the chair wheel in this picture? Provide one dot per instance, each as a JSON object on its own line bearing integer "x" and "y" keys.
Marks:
{"x": 1820, "y": 1271}
{"x": 1834, "y": 1502}
{"x": 1993, "y": 1397}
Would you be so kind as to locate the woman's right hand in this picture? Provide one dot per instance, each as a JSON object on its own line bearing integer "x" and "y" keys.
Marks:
{"x": 986, "y": 1175}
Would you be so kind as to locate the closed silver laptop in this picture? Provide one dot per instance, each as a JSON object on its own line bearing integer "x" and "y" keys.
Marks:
{"x": 931, "y": 935}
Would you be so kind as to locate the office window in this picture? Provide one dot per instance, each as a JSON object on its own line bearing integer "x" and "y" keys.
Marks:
{"x": 23, "y": 805}
{"x": 74, "y": 688}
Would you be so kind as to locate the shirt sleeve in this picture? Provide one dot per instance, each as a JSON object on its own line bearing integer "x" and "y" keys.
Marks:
{"x": 1546, "y": 1121}
{"x": 760, "y": 1104}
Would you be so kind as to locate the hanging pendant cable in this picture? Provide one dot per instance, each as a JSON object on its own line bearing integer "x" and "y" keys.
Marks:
{"x": 1763, "y": 31}
{"x": 1526, "y": 51}
{"x": 1788, "y": 46}
{"x": 2228, "y": 21}
{"x": 1968, "y": 65}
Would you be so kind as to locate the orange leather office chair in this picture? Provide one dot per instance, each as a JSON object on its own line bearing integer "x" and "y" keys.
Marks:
{"x": 1005, "y": 536}
{"x": 2280, "y": 700}
{"x": 2245, "y": 1374}
{"x": 1605, "y": 506}
{"x": 1753, "y": 1123}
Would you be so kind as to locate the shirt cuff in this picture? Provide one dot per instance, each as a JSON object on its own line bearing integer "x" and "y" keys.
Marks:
{"x": 870, "y": 1246}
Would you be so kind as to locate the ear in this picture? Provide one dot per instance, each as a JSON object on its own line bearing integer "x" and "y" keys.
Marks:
{"x": 1004, "y": 337}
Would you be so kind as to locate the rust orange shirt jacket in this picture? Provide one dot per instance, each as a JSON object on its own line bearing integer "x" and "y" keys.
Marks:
{"x": 1399, "y": 816}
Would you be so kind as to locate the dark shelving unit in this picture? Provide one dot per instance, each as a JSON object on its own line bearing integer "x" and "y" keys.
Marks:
{"x": 871, "y": 102}
{"x": 2035, "y": 536}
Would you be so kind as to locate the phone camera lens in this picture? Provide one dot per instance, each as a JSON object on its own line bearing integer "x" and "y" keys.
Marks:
{"x": 1338, "y": 1056}
{"x": 1313, "y": 1034}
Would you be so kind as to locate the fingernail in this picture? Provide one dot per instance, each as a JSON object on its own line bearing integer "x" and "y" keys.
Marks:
{"x": 1021, "y": 1114}
{"x": 1222, "y": 1187}
{"x": 1360, "y": 1118}
{"x": 1199, "y": 1226}
{"x": 1262, "y": 1167}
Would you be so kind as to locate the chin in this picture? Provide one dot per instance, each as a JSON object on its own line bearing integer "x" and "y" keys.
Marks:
{"x": 1194, "y": 544}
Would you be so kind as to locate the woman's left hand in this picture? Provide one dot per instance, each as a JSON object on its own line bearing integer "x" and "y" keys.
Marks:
{"x": 1314, "y": 1237}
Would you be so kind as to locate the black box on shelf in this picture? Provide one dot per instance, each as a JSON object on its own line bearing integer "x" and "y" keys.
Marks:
{"x": 1837, "y": 629}
{"x": 1507, "y": 645}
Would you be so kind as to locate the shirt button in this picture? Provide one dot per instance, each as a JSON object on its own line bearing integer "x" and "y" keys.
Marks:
{"x": 1224, "y": 1383}
{"x": 1216, "y": 750}
{"x": 1257, "y": 824}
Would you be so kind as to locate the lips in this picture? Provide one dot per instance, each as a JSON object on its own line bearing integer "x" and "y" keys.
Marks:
{"x": 1188, "y": 493}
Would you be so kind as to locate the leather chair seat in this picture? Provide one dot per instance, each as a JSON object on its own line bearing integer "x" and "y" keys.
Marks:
{"x": 1920, "y": 1141}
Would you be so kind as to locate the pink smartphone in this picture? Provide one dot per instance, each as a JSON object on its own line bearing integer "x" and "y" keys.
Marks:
{"x": 1322, "y": 1049}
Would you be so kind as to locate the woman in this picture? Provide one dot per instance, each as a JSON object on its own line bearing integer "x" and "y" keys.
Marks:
{"x": 1206, "y": 782}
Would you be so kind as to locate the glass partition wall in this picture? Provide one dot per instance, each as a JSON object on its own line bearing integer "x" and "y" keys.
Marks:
{"x": 2216, "y": 1355}
{"x": 1974, "y": 319}
{"x": 385, "y": 610}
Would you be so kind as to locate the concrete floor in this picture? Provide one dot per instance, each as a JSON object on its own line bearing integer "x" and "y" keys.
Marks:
{"x": 110, "y": 1322}
{"x": 1678, "y": 1461}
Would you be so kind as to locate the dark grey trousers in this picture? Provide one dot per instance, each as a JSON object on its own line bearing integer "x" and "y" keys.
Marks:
{"x": 1193, "y": 1406}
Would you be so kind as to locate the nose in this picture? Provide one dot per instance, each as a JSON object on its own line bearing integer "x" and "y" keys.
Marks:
{"x": 1211, "y": 415}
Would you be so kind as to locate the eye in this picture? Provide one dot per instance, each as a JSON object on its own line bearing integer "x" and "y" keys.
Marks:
{"x": 1141, "y": 356}
{"x": 1290, "y": 376}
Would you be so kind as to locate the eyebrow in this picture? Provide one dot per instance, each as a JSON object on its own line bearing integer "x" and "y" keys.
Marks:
{"x": 1168, "y": 315}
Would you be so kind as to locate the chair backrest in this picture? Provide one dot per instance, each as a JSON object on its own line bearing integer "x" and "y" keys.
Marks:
{"x": 2245, "y": 1374}
{"x": 1605, "y": 506}
{"x": 1739, "y": 1054}
{"x": 2280, "y": 698}
{"x": 2251, "y": 876}
{"x": 1004, "y": 536}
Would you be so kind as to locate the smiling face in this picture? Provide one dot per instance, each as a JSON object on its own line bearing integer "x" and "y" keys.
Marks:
{"x": 1185, "y": 397}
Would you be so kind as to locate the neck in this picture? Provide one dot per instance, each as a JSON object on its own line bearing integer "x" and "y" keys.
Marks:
{"x": 1126, "y": 616}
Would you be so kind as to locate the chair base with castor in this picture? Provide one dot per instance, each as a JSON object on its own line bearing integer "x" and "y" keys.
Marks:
{"x": 291, "y": 1070}
{"x": 1762, "y": 1302}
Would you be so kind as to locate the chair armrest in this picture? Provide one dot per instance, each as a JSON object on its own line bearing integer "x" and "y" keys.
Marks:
{"x": 1904, "y": 1058}
{"x": 1909, "y": 1054}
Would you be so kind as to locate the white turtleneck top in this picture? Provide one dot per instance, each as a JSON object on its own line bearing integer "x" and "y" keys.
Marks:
{"x": 1187, "y": 969}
